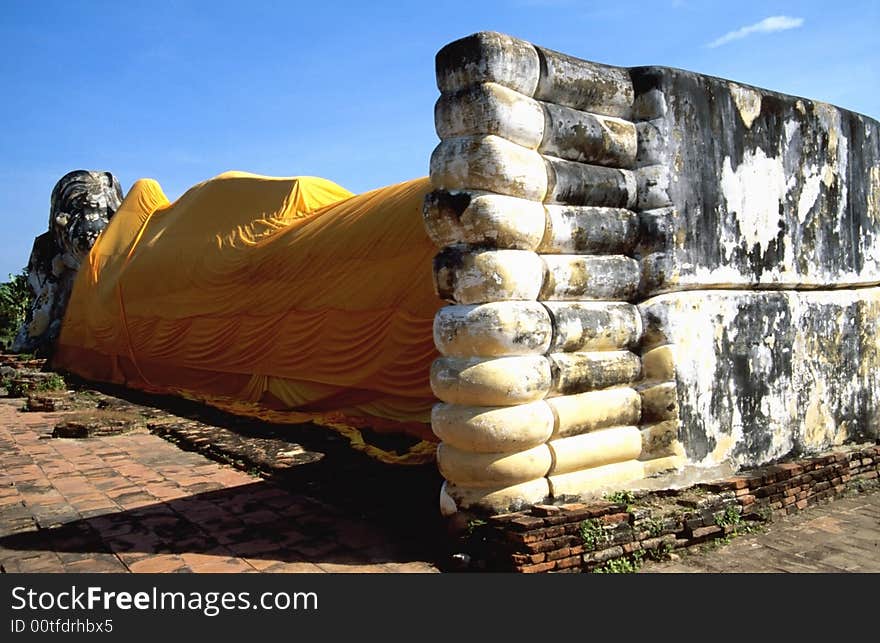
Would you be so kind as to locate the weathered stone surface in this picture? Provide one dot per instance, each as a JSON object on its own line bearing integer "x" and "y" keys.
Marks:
{"x": 493, "y": 330}
{"x": 489, "y": 162}
{"x": 584, "y": 412}
{"x": 483, "y": 219}
{"x": 736, "y": 188}
{"x": 767, "y": 188}
{"x": 658, "y": 364}
{"x": 593, "y": 325}
{"x": 595, "y": 449}
{"x": 654, "y": 466}
{"x": 575, "y": 183}
{"x": 659, "y": 401}
{"x": 596, "y": 480}
{"x": 82, "y": 204}
{"x": 762, "y": 375}
{"x": 493, "y": 429}
{"x": 468, "y": 469}
{"x": 660, "y": 440}
{"x": 653, "y": 187}
{"x": 583, "y": 85}
{"x": 501, "y": 381}
{"x": 454, "y": 498}
{"x": 467, "y": 275}
{"x": 484, "y": 57}
{"x": 585, "y": 371}
{"x": 651, "y": 146}
{"x": 587, "y": 138}
{"x": 583, "y": 277}
{"x": 575, "y": 229}
{"x": 490, "y": 108}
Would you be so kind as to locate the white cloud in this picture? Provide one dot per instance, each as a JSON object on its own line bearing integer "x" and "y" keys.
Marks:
{"x": 767, "y": 25}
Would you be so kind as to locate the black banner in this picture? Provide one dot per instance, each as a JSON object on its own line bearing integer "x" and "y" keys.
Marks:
{"x": 390, "y": 606}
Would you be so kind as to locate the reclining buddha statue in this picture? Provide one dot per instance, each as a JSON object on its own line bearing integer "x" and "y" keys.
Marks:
{"x": 290, "y": 299}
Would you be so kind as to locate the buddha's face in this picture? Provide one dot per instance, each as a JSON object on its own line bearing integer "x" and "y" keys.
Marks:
{"x": 82, "y": 205}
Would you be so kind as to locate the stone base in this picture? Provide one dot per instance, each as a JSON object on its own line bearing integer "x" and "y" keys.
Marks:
{"x": 619, "y": 535}
{"x": 762, "y": 375}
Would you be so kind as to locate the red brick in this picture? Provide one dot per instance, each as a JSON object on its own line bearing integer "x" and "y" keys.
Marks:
{"x": 549, "y": 544}
{"x": 559, "y": 519}
{"x": 600, "y": 508}
{"x": 745, "y": 501}
{"x": 615, "y": 519}
{"x": 503, "y": 519}
{"x": 545, "y": 510}
{"x": 780, "y": 472}
{"x": 801, "y": 504}
{"x": 536, "y": 569}
{"x": 537, "y": 535}
{"x": 526, "y": 523}
{"x": 568, "y": 563}
{"x": 528, "y": 559}
{"x": 556, "y": 554}
{"x": 573, "y": 512}
{"x": 705, "y": 532}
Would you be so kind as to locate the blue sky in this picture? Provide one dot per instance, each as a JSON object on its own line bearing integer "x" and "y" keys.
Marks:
{"x": 181, "y": 91}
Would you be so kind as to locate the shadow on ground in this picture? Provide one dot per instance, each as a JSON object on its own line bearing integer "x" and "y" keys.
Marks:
{"x": 260, "y": 520}
{"x": 327, "y": 502}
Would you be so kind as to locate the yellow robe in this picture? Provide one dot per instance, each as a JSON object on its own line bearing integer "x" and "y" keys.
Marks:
{"x": 290, "y": 299}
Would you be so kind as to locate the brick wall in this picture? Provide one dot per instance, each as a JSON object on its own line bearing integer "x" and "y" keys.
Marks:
{"x": 586, "y": 537}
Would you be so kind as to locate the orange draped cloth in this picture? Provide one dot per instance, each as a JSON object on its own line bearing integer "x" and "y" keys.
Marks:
{"x": 290, "y": 299}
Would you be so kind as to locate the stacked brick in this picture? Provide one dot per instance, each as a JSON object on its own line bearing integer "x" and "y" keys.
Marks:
{"x": 534, "y": 215}
{"x": 581, "y": 537}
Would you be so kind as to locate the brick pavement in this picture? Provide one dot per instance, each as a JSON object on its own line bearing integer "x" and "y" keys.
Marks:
{"x": 136, "y": 503}
{"x": 835, "y": 537}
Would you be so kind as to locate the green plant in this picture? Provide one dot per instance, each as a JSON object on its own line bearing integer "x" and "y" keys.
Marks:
{"x": 729, "y": 518}
{"x": 654, "y": 526}
{"x": 661, "y": 552}
{"x": 15, "y": 300}
{"x": 593, "y": 534}
{"x": 715, "y": 543}
{"x": 765, "y": 513}
{"x": 623, "y": 565}
{"x": 621, "y": 498}
{"x": 15, "y": 387}
{"x": 52, "y": 383}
